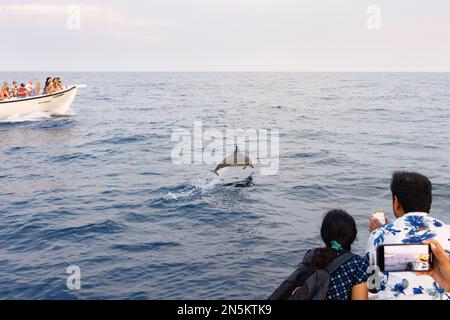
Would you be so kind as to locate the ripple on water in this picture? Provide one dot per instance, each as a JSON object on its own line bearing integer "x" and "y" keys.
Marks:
{"x": 99, "y": 189}
{"x": 151, "y": 246}
{"x": 73, "y": 157}
{"x": 122, "y": 140}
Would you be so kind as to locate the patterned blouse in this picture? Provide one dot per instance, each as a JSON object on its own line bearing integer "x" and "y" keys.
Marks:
{"x": 414, "y": 227}
{"x": 350, "y": 274}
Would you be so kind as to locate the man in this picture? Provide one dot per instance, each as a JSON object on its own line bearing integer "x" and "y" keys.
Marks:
{"x": 411, "y": 197}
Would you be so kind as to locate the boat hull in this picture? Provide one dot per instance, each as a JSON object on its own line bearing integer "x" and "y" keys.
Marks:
{"x": 54, "y": 104}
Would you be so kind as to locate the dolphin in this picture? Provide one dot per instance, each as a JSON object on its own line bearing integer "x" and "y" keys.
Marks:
{"x": 237, "y": 159}
{"x": 247, "y": 182}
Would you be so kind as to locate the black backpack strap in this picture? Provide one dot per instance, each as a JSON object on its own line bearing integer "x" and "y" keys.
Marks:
{"x": 339, "y": 261}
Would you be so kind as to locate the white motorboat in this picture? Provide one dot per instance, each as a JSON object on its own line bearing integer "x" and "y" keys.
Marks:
{"x": 54, "y": 104}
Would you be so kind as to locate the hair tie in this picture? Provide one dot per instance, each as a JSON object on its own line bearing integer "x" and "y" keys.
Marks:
{"x": 335, "y": 245}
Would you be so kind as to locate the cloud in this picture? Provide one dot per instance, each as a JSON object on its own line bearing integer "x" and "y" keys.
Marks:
{"x": 97, "y": 20}
{"x": 132, "y": 36}
{"x": 92, "y": 13}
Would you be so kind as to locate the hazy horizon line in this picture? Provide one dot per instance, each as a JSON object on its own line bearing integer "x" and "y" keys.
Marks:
{"x": 236, "y": 71}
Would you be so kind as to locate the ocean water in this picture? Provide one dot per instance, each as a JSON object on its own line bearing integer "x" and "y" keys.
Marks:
{"x": 98, "y": 189}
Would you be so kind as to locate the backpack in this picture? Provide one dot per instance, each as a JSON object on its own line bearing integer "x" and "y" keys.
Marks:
{"x": 307, "y": 283}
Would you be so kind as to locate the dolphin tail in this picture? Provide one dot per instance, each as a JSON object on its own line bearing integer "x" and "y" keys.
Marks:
{"x": 215, "y": 172}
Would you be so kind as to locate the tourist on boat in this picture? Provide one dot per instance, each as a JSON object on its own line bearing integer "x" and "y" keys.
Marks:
{"x": 36, "y": 90}
{"x": 22, "y": 92}
{"x": 29, "y": 87}
{"x": 348, "y": 272}
{"x": 60, "y": 84}
{"x": 5, "y": 90}
{"x": 57, "y": 84}
{"x": 48, "y": 84}
{"x": 14, "y": 89}
{"x": 2, "y": 96}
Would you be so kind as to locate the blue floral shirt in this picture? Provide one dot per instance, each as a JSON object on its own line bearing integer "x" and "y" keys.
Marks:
{"x": 414, "y": 227}
{"x": 351, "y": 273}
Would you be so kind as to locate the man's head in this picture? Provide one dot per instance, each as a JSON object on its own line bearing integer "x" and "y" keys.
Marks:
{"x": 411, "y": 192}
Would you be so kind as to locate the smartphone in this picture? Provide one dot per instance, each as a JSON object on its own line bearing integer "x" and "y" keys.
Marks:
{"x": 405, "y": 257}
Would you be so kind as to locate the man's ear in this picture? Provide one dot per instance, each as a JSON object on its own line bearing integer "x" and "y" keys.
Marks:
{"x": 398, "y": 210}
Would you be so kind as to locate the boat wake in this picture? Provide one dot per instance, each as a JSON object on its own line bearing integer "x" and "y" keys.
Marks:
{"x": 36, "y": 116}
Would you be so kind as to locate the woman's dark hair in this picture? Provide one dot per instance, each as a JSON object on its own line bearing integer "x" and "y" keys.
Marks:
{"x": 339, "y": 226}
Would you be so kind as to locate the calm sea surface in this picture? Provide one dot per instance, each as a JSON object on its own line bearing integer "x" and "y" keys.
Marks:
{"x": 99, "y": 190}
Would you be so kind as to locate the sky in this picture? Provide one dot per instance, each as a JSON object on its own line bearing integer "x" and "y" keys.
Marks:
{"x": 225, "y": 35}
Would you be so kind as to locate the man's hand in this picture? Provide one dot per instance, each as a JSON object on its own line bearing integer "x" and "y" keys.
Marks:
{"x": 374, "y": 223}
{"x": 441, "y": 267}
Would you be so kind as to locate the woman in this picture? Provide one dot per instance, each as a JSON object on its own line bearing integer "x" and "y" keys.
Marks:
{"x": 57, "y": 84}
{"x": 60, "y": 84}
{"x": 349, "y": 281}
{"x": 48, "y": 83}
{"x": 348, "y": 276}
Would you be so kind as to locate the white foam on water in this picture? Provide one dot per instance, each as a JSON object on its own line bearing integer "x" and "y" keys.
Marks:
{"x": 69, "y": 113}
{"x": 35, "y": 116}
{"x": 206, "y": 185}
{"x": 198, "y": 187}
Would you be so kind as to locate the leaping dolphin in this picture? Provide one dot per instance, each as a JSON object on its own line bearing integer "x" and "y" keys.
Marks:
{"x": 237, "y": 159}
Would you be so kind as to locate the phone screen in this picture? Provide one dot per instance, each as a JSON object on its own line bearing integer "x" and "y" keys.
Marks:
{"x": 400, "y": 258}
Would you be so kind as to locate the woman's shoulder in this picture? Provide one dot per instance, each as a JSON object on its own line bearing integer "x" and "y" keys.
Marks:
{"x": 358, "y": 260}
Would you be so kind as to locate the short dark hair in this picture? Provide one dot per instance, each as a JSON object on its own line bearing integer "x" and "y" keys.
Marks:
{"x": 413, "y": 191}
